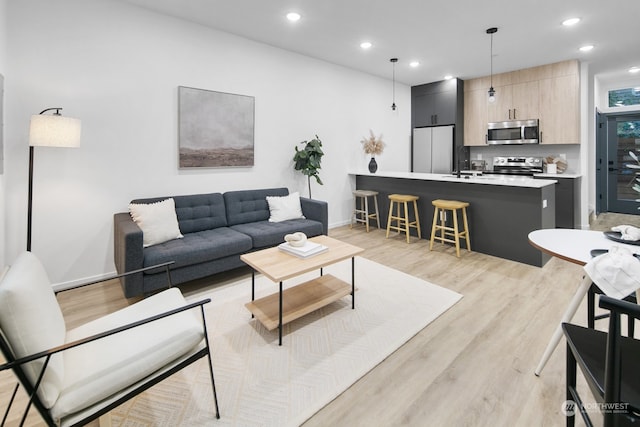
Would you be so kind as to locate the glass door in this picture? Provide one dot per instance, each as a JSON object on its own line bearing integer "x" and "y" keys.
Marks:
{"x": 623, "y": 150}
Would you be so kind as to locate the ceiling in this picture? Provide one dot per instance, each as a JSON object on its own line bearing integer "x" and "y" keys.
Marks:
{"x": 447, "y": 37}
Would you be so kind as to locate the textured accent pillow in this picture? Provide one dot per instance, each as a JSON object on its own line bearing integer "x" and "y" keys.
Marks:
{"x": 158, "y": 221}
{"x": 285, "y": 207}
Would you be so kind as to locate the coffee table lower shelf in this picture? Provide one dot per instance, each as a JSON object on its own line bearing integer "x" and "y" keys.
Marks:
{"x": 299, "y": 300}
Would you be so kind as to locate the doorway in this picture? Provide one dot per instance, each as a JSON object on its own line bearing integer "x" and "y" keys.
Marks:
{"x": 618, "y": 135}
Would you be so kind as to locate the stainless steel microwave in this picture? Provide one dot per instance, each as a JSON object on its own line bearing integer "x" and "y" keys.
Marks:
{"x": 513, "y": 132}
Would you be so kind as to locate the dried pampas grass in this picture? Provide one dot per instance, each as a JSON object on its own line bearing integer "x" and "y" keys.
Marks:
{"x": 373, "y": 145}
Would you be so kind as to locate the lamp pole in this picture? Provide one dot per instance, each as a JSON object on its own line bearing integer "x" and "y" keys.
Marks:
{"x": 48, "y": 131}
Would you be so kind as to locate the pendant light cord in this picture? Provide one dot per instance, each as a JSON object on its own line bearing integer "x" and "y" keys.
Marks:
{"x": 491, "y": 59}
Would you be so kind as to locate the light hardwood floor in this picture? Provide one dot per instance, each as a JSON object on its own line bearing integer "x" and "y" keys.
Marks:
{"x": 473, "y": 366}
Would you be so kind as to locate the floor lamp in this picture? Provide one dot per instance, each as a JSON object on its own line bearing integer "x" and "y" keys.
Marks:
{"x": 50, "y": 130}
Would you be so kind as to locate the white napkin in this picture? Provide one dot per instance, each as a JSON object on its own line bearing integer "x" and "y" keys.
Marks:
{"x": 616, "y": 273}
{"x": 629, "y": 232}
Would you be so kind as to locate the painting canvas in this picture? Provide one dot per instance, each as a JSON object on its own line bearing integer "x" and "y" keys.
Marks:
{"x": 215, "y": 129}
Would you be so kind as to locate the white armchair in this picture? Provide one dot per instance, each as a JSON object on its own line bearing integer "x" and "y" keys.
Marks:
{"x": 75, "y": 376}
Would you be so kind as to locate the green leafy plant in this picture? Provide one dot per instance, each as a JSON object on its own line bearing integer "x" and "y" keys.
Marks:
{"x": 307, "y": 160}
{"x": 636, "y": 169}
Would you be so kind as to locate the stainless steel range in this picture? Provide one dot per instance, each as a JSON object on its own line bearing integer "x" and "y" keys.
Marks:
{"x": 517, "y": 165}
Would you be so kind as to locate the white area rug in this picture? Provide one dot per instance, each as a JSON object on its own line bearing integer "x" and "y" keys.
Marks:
{"x": 262, "y": 384}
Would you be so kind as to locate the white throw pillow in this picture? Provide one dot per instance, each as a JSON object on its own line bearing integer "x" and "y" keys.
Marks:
{"x": 158, "y": 221}
{"x": 284, "y": 207}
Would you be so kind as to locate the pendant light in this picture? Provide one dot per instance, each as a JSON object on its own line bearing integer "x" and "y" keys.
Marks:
{"x": 492, "y": 93}
{"x": 393, "y": 62}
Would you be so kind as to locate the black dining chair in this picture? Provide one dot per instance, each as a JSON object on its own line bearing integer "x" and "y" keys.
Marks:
{"x": 591, "y": 309}
{"x": 610, "y": 364}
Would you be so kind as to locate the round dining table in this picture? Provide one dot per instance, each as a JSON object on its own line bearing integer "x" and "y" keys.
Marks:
{"x": 574, "y": 246}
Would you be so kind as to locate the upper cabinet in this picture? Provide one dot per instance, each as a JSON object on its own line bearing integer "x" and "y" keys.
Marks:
{"x": 436, "y": 104}
{"x": 560, "y": 104}
{"x": 548, "y": 92}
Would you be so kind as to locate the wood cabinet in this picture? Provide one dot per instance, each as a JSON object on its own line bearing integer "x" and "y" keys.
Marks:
{"x": 475, "y": 113}
{"x": 550, "y": 93}
{"x": 560, "y": 110}
{"x": 515, "y": 102}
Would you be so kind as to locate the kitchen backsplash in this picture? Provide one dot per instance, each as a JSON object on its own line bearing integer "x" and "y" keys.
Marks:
{"x": 570, "y": 152}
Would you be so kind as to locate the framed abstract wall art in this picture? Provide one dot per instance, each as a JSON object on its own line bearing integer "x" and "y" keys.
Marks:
{"x": 216, "y": 129}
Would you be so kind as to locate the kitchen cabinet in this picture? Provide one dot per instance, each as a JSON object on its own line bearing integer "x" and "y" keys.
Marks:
{"x": 560, "y": 110}
{"x": 436, "y": 104}
{"x": 550, "y": 93}
{"x": 441, "y": 104}
{"x": 567, "y": 200}
{"x": 515, "y": 102}
{"x": 475, "y": 113}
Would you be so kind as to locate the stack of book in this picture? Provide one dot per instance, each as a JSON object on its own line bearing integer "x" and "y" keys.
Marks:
{"x": 305, "y": 251}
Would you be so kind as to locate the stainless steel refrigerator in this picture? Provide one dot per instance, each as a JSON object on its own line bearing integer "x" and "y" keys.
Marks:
{"x": 433, "y": 149}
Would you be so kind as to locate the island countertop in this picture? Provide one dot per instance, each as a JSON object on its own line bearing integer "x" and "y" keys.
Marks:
{"x": 511, "y": 181}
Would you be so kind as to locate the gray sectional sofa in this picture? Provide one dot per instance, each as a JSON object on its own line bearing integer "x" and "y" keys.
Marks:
{"x": 217, "y": 229}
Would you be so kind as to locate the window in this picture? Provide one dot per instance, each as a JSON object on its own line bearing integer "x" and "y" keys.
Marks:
{"x": 624, "y": 97}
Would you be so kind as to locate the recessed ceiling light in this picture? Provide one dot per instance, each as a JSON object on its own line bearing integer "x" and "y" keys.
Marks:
{"x": 414, "y": 64}
{"x": 448, "y": 77}
{"x": 293, "y": 16}
{"x": 571, "y": 21}
{"x": 586, "y": 48}
{"x": 365, "y": 45}
{"x": 634, "y": 69}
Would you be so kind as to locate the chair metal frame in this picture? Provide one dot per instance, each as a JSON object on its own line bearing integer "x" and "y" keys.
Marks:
{"x": 133, "y": 390}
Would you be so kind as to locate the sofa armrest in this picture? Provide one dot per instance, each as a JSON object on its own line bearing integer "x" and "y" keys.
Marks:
{"x": 127, "y": 252}
{"x": 317, "y": 210}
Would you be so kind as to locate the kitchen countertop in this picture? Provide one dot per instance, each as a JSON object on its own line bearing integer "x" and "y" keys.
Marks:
{"x": 510, "y": 181}
{"x": 558, "y": 175}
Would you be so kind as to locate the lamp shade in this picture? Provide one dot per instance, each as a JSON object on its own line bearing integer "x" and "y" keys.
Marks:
{"x": 54, "y": 131}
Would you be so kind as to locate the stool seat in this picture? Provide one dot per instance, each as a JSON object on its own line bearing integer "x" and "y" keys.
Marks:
{"x": 402, "y": 220}
{"x": 449, "y": 204}
{"x": 361, "y": 213}
{"x": 403, "y": 198}
{"x": 441, "y": 206}
{"x": 364, "y": 193}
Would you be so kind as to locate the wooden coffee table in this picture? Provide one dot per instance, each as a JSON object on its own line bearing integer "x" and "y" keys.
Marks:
{"x": 280, "y": 308}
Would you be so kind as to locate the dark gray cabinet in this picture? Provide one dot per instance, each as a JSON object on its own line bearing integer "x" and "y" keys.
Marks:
{"x": 567, "y": 200}
{"x": 436, "y": 104}
{"x": 441, "y": 104}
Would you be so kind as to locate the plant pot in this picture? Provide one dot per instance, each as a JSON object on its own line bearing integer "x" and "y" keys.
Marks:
{"x": 373, "y": 166}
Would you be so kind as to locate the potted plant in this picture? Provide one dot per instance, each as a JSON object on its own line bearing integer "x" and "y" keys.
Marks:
{"x": 373, "y": 146}
{"x": 307, "y": 160}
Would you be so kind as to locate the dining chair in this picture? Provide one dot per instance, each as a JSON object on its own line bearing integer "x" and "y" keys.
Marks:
{"x": 591, "y": 309}
{"x": 73, "y": 376}
{"x": 609, "y": 363}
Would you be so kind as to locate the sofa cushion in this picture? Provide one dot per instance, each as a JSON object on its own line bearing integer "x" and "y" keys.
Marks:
{"x": 157, "y": 221}
{"x": 197, "y": 212}
{"x": 31, "y": 321}
{"x": 198, "y": 247}
{"x": 101, "y": 368}
{"x": 266, "y": 233}
{"x": 250, "y": 205}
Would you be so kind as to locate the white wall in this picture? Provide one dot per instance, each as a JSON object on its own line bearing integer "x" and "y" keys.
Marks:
{"x": 3, "y": 70}
{"x": 117, "y": 68}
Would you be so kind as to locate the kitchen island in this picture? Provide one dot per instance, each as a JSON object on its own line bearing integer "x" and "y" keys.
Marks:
{"x": 503, "y": 209}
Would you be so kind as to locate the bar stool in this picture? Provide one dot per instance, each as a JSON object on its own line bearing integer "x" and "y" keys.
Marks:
{"x": 441, "y": 206}
{"x": 365, "y": 216}
{"x": 402, "y": 221}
